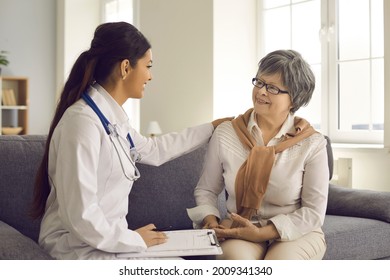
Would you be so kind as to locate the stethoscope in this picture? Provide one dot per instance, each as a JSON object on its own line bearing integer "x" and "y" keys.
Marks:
{"x": 111, "y": 130}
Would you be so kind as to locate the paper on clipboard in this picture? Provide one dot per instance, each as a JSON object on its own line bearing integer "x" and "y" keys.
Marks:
{"x": 182, "y": 243}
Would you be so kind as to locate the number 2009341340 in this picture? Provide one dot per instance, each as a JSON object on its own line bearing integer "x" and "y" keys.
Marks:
{"x": 242, "y": 270}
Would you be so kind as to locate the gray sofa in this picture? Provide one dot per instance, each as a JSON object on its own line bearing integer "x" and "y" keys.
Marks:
{"x": 357, "y": 225}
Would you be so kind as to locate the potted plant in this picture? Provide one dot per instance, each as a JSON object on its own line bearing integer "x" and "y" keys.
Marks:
{"x": 3, "y": 59}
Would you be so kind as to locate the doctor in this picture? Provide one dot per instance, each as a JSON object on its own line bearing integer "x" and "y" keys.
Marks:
{"x": 88, "y": 169}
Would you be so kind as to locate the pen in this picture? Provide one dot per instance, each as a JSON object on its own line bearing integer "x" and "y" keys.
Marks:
{"x": 162, "y": 229}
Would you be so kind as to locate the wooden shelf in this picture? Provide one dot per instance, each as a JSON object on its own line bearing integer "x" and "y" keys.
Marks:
{"x": 18, "y": 107}
{"x": 14, "y": 111}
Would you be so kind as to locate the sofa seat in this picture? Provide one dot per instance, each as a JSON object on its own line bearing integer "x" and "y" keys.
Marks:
{"x": 346, "y": 238}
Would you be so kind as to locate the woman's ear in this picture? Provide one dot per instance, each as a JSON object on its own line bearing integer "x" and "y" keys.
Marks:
{"x": 125, "y": 68}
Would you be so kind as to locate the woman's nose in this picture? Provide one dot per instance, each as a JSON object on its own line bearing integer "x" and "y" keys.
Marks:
{"x": 263, "y": 91}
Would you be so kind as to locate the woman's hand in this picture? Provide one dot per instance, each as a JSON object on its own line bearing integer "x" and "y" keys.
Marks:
{"x": 248, "y": 231}
{"x": 210, "y": 221}
{"x": 150, "y": 236}
{"x": 217, "y": 122}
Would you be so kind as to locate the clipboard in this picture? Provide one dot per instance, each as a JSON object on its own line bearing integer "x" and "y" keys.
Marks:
{"x": 180, "y": 243}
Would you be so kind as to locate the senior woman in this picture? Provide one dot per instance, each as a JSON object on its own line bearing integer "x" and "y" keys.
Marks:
{"x": 273, "y": 166}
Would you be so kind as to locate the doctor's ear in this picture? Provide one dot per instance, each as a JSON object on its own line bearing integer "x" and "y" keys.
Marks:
{"x": 125, "y": 68}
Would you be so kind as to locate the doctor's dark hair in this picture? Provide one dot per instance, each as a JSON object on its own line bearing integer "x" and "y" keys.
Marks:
{"x": 112, "y": 43}
{"x": 295, "y": 73}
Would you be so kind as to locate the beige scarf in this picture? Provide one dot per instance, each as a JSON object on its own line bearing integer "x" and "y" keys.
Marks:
{"x": 253, "y": 176}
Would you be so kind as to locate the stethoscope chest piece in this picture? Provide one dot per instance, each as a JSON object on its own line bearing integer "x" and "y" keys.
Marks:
{"x": 133, "y": 156}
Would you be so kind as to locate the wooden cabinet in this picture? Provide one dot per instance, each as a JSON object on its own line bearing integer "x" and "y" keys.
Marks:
{"x": 14, "y": 105}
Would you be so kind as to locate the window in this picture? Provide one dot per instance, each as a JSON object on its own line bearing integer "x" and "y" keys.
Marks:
{"x": 117, "y": 10}
{"x": 343, "y": 40}
{"x": 123, "y": 10}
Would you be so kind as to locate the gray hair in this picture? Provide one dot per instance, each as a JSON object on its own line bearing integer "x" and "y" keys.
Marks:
{"x": 295, "y": 73}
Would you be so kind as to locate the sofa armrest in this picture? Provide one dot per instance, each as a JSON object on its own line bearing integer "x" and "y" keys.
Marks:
{"x": 358, "y": 203}
{"x": 16, "y": 246}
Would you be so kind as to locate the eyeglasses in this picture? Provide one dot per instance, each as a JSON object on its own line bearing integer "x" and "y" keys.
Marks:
{"x": 270, "y": 88}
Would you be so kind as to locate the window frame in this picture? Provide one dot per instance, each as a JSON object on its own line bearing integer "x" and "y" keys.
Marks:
{"x": 355, "y": 136}
{"x": 329, "y": 86}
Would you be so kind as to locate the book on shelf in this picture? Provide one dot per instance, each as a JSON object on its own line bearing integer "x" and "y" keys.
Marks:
{"x": 8, "y": 97}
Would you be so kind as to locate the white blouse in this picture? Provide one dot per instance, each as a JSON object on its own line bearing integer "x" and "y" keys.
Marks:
{"x": 86, "y": 209}
{"x": 296, "y": 197}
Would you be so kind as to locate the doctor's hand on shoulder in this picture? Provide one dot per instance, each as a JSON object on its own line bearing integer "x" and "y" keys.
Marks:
{"x": 150, "y": 236}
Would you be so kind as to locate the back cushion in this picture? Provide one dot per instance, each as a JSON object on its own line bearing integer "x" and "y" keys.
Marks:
{"x": 20, "y": 156}
{"x": 163, "y": 193}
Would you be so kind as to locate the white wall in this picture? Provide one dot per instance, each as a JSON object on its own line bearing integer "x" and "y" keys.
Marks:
{"x": 370, "y": 166}
{"x": 181, "y": 92}
{"x": 27, "y": 32}
{"x": 234, "y": 56}
{"x": 43, "y": 38}
{"x": 204, "y": 55}
{"x": 76, "y": 23}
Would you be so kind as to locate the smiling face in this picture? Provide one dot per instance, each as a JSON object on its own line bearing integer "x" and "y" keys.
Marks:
{"x": 269, "y": 105}
{"x": 138, "y": 76}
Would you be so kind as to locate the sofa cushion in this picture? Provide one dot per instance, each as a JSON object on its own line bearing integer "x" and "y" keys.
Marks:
{"x": 20, "y": 156}
{"x": 352, "y": 238}
{"x": 16, "y": 246}
{"x": 162, "y": 194}
{"x": 359, "y": 203}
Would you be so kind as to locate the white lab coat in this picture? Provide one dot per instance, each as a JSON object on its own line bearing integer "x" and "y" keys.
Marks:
{"x": 86, "y": 209}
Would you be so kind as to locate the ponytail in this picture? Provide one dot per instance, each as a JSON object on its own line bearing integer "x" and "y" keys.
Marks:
{"x": 80, "y": 77}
